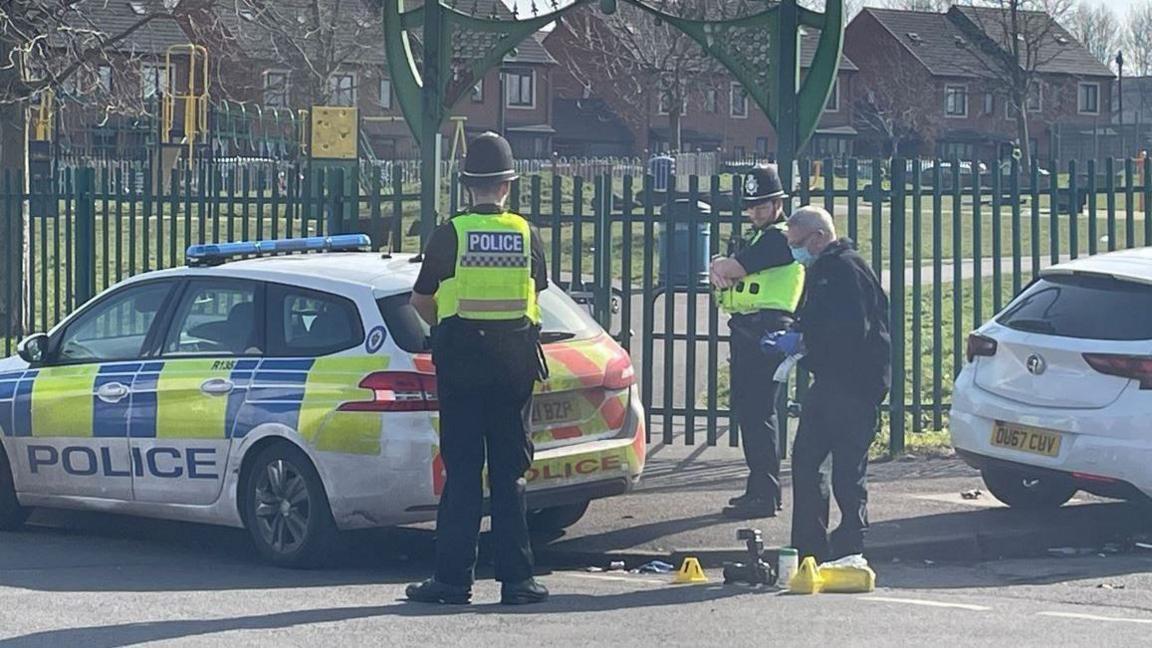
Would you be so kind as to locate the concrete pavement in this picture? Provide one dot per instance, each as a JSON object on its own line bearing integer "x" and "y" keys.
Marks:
{"x": 171, "y": 597}
{"x": 916, "y": 508}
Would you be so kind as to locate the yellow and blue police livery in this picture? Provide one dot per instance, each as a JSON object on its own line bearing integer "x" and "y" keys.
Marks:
{"x": 292, "y": 395}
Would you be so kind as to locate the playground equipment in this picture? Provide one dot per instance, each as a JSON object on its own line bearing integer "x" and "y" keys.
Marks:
{"x": 194, "y": 98}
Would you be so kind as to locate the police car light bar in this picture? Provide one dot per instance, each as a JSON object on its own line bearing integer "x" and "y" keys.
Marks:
{"x": 217, "y": 253}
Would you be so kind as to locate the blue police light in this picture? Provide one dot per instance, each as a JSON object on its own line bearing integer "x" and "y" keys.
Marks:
{"x": 217, "y": 253}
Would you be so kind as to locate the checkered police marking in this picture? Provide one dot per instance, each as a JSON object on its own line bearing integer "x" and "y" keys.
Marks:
{"x": 494, "y": 250}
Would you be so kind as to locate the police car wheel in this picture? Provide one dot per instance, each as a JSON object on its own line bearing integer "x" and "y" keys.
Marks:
{"x": 556, "y": 518}
{"x": 12, "y": 515}
{"x": 286, "y": 509}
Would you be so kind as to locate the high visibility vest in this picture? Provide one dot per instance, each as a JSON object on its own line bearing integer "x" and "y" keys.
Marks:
{"x": 493, "y": 279}
{"x": 779, "y": 288}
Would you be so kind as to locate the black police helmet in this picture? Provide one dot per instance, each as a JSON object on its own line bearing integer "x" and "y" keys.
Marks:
{"x": 489, "y": 160}
{"x": 762, "y": 184}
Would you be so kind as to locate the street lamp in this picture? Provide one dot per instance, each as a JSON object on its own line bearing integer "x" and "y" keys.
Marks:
{"x": 1120, "y": 88}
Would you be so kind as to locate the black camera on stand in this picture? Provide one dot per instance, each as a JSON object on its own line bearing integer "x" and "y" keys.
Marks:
{"x": 756, "y": 571}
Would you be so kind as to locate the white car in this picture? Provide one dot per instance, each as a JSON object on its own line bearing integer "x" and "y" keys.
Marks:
{"x": 292, "y": 395}
{"x": 1057, "y": 393}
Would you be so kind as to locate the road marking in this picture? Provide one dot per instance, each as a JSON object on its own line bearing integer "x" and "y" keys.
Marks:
{"x": 608, "y": 577}
{"x": 1091, "y": 617}
{"x": 938, "y": 604}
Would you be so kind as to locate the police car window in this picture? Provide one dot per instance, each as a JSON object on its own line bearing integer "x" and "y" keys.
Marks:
{"x": 116, "y": 327}
{"x": 560, "y": 318}
{"x": 308, "y": 323}
{"x": 216, "y": 319}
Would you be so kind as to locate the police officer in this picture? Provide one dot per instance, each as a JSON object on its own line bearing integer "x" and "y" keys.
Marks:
{"x": 478, "y": 288}
{"x": 760, "y": 286}
{"x": 842, "y": 330}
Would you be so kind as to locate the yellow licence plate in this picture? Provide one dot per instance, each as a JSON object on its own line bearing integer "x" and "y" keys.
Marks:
{"x": 1026, "y": 439}
{"x": 548, "y": 411}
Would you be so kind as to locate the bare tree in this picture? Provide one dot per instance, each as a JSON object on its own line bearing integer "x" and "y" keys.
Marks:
{"x": 1012, "y": 42}
{"x": 636, "y": 63}
{"x": 918, "y": 5}
{"x": 314, "y": 39}
{"x": 897, "y": 107}
{"x": 1137, "y": 44}
{"x": 1097, "y": 30}
{"x": 70, "y": 48}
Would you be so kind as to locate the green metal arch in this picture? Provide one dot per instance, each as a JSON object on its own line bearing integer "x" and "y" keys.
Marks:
{"x": 811, "y": 95}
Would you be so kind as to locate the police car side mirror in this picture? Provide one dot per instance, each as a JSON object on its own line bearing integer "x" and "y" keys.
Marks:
{"x": 33, "y": 349}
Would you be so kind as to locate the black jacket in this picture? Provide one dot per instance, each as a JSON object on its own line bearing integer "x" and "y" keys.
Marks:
{"x": 844, "y": 319}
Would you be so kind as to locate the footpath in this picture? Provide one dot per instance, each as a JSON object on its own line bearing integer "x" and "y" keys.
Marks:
{"x": 918, "y": 510}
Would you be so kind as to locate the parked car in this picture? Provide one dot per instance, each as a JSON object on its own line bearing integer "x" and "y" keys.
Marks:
{"x": 1058, "y": 388}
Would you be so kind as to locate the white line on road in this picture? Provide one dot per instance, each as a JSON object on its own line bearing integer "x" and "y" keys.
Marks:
{"x": 1091, "y": 617}
{"x": 606, "y": 577}
{"x": 939, "y": 604}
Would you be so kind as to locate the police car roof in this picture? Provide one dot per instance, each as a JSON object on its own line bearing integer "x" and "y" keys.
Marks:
{"x": 395, "y": 274}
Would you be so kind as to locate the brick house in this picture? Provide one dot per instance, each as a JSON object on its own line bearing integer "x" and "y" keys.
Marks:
{"x": 113, "y": 105}
{"x": 929, "y": 73}
{"x": 716, "y": 116}
{"x": 262, "y": 65}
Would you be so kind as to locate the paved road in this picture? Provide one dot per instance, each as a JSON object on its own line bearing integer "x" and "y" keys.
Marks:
{"x": 107, "y": 589}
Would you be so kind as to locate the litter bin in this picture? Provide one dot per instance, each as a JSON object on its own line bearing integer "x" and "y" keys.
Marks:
{"x": 687, "y": 243}
{"x": 661, "y": 168}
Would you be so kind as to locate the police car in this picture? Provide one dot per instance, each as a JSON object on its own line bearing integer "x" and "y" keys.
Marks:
{"x": 291, "y": 394}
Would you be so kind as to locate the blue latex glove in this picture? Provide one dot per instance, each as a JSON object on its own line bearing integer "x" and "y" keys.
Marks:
{"x": 785, "y": 343}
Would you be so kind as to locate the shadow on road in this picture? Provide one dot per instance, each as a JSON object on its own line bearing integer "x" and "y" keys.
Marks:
{"x": 128, "y": 634}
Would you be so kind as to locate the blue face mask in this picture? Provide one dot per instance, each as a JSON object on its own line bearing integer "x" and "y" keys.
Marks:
{"x": 803, "y": 256}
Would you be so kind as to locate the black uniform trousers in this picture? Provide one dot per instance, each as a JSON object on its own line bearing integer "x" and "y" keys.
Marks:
{"x": 839, "y": 424}
{"x": 484, "y": 389}
{"x": 753, "y": 396}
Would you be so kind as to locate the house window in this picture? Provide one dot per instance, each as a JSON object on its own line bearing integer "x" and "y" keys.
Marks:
{"x": 711, "y": 104}
{"x": 664, "y": 105}
{"x": 478, "y": 92}
{"x": 155, "y": 80}
{"x": 386, "y": 94}
{"x": 955, "y": 101}
{"x": 1089, "y": 98}
{"x": 957, "y": 151}
{"x": 520, "y": 86}
{"x": 762, "y": 146}
{"x": 833, "y": 104}
{"x": 104, "y": 77}
{"x": 342, "y": 89}
{"x": 276, "y": 88}
{"x": 989, "y": 103}
{"x": 1036, "y": 98}
{"x": 739, "y": 101}
{"x": 738, "y": 152}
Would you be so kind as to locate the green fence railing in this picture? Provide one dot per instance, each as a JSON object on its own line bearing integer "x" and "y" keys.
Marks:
{"x": 953, "y": 243}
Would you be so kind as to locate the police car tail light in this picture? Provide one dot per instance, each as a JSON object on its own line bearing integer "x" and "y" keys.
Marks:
{"x": 980, "y": 346}
{"x": 397, "y": 391}
{"x": 1123, "y": 366}
{"x": 620, "y": 374}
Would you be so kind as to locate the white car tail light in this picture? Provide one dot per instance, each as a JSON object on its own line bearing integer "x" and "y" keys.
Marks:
{"x": 1137, "y": 368}
{"x": 980, "y": 345}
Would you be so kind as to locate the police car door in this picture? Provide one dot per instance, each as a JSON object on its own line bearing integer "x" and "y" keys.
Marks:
{"x": 182, "y": 433}
{"x": 71, "y": 432}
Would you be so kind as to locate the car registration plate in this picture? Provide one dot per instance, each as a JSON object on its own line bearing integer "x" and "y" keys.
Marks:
{"x": 549, "y": 411}
{"x": 1026, "y": 439}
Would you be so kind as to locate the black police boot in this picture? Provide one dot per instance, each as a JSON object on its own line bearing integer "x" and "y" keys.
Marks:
{"x": 742, "y": 500}
{"x": 752, "y": 509}
{"x": 433, "y": 591}
{"x": 523, "y": 593}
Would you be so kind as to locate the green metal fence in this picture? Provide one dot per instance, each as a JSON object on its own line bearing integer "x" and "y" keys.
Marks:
{"x": 953, "y": 242}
